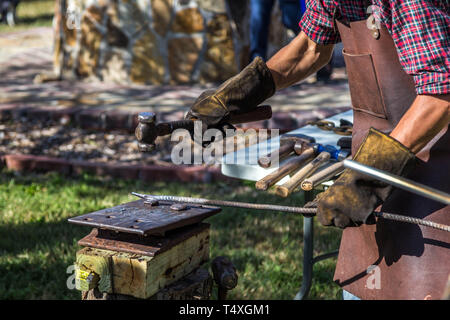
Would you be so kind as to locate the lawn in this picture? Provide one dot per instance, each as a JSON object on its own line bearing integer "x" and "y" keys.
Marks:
{"x": 32, "y": 13}
{"x": 37, "y": 245}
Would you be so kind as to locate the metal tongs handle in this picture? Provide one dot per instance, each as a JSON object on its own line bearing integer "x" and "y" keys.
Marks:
{"x": 399, "y": 182}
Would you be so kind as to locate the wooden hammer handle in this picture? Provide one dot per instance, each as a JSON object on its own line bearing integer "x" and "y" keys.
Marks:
{"x": 267, "y": 160}
{"x": 165, "y": 128}
{"x": 290, "y": 166}
{"x": 260, "y": 113}
{"x": 323, "y": 175}
{"x": 287, "y": 188}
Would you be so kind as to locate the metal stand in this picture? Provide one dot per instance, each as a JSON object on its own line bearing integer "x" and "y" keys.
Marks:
{"x": 308, "y": 247}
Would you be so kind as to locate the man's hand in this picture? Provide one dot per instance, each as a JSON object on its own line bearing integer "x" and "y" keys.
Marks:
{"x": 353, "y": 197}
{"x": 241, "y": 93}
{"x": 351, "y": 200}
{"x": 258, "y": 81}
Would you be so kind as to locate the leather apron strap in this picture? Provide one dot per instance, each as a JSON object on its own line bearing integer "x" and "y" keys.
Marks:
{"x": 392, "y": 260}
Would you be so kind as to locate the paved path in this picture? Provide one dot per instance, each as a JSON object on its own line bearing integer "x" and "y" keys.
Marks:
{"x": 16, "y": 42}
{"x": 25, "y": 54}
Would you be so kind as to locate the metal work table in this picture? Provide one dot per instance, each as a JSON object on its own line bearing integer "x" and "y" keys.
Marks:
{"x": 250, "y": 170}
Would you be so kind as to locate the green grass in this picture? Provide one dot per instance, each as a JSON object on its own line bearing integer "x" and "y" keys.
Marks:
{"x": 32, "y": 13}
{"x": 37, "y": 245}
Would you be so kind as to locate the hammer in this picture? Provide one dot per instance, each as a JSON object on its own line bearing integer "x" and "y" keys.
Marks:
{"x": 335, "y": 154}
{"x": 325, "y": 153}
{"x": 289, "y": 167}
{"x": 147, "y": 130}
{"x": 287, "y": 188}
{"x": 288, "y": 143}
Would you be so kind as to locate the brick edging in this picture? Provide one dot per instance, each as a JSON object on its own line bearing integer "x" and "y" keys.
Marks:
{"x": 99, "y": 119}
{"x": 32, "y": 163}
{"x": 85, "y": 118}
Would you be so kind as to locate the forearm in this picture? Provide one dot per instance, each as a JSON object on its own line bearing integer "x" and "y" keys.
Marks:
{"x": 426, "y": 117}
{"x": 301, "y": 58}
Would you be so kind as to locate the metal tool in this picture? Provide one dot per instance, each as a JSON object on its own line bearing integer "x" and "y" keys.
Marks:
{"x": 225, "y": 276}
{"x": 308, "y": 212}
{"x": 147, "y": 130}
{"x": 345, "y": 143}
{"x": 323, "y": 175}
{"x": 287, "y": 188}
{"x": 288, "y": 144}
{"x": 399, "y": 182}
{"x": 290, "y": 166}
{"x": 345, "y": 127}
{"x": 335, "y": 154}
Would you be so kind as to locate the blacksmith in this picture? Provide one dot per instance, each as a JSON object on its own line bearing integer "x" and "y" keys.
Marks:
{"x": 398, "y": 65}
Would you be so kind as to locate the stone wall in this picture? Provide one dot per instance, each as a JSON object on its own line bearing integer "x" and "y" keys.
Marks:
{"x": 155, "y": 41}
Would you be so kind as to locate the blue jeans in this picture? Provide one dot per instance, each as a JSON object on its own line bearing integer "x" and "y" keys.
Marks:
{"x": 260, "y": 11}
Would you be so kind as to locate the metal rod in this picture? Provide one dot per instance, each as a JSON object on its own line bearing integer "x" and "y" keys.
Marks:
{"x": 257, "y": 206}
{"x": 422, "y": 222}
{"x": 399, "y": 182}
{"x": 308, "y": 251}
{"x": 271, "y": 207}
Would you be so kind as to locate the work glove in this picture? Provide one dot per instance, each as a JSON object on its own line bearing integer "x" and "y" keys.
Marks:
{"x": 241, "y": 93}
{"x": 351, "y": 200}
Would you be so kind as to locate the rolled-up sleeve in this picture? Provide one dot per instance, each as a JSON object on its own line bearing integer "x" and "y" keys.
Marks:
{"x": 419, "y": 28}
{"x": 318, "y": 21}
{"x": 421, "y": 32}
{"x": 422, "y": 35}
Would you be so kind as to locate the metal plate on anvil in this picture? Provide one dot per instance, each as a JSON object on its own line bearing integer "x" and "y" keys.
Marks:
{"x": 139, "y": 218}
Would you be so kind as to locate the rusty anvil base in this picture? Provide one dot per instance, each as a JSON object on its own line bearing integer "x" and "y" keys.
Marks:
{"x": 134, "y": 244}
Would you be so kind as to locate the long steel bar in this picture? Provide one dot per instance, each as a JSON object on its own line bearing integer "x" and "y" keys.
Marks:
{"x": 399, "y": 182}
{"x": 256, "y": 206}
{"x": 303, "y": 211}
{"x": 422, "y": 222}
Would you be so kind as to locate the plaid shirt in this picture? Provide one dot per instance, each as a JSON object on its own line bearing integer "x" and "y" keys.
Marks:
{"x": 420, "y": 30}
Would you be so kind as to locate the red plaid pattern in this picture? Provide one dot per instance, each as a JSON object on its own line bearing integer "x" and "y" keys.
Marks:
{"x": 420, "y": 30}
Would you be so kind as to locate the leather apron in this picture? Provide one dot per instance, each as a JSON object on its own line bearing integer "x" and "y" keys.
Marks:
{"x": 392, "y": 260}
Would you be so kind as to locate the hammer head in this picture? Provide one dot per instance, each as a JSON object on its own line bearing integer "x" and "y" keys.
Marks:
{"x": 146, "y": 132}
{"x": 300, "y": 141}
{"x": 296, "y": 137}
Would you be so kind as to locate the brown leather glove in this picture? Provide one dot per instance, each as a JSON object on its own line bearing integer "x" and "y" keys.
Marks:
{"x": 351, "y": 200}
{"x": 241, "y": 93}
